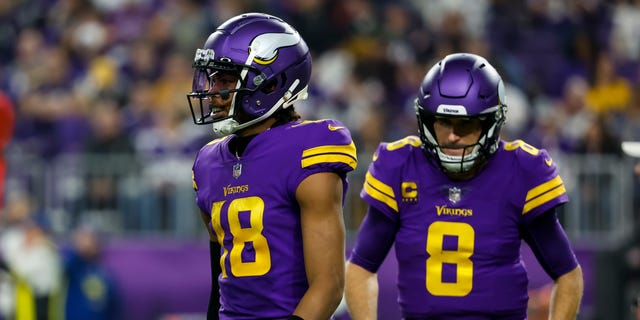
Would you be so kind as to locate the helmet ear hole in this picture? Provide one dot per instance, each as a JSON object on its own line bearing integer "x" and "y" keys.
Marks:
{"x": 269, "y": 86}
{"x": 274, "y": 84}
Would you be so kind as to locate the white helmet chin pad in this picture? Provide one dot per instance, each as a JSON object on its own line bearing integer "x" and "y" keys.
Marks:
{"x": 457, "y": 164}
{"x": 225, "y": 127}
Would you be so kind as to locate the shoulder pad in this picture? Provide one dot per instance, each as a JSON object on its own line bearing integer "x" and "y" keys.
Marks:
{"x": 325, "y": 141}
{"x": 543, "y": 185}
{"x": 397, "y": 151}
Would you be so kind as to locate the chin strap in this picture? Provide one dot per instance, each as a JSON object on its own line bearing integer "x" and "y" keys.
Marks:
{"x": 229, "y": 126}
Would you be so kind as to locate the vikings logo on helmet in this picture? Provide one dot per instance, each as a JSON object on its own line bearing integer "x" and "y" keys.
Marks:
{"x": 265, "y": 46}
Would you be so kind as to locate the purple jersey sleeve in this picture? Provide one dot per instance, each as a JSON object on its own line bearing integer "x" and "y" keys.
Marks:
{"x": 334, "y": 150}
{"x": 550, "y": 245}
{"x": 254, "y": 214}
{"x": 540, "y": 187}
{"x": 374, "y": 240}
{"x": 382, "y": 188}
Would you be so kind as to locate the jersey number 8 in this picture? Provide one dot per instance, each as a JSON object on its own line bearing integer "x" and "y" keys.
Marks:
{"x": 460, "y": 258}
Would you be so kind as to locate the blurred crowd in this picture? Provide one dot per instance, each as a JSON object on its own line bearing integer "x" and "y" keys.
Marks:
{"x": 43, "y": 278}
{"x": 108, "y": 77}
{"x": 103, "y": 82}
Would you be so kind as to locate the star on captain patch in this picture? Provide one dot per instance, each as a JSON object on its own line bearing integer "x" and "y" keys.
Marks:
{"x": 237, "y": 170}
{"x": 454, "y": 194}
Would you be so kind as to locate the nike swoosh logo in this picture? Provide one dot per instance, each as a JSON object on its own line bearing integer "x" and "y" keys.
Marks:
{"x": 334, "y": 128}
{"x": 548, "y": 162}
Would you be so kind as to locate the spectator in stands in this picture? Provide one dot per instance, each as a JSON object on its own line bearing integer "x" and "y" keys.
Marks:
{"x": 51, "y": 109}
{"x": 609, "y": 92}
{"x": 33, "y": 260}
{"x": 626, "y": 124}
{"x": 166, "y": 149}
{"x": 109, "y": 162}
{"x": 561, "y": 125}
{"x": 599, "y": 139}
{"x": 91, "y": 289}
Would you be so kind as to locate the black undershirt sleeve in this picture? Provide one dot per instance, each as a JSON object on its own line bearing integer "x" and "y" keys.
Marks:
{"x": 214, "y": 297}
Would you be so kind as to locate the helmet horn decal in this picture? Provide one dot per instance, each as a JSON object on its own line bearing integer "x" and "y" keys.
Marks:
{"x": 264, "y": 48}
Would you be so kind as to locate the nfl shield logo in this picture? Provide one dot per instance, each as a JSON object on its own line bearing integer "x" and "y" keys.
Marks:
{"x": 237, "y": 170}
{"x": 454, "y": 194}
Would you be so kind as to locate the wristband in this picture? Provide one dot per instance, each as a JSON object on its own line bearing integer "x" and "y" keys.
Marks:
{"x": 294, "y": 317}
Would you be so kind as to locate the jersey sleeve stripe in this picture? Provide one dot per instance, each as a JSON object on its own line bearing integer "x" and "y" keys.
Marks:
{"x": 323, "y": 158}
{"x": 544, "y": 198}
{"x": 330, "y": 153}
{"x": 544, "y": 187}
{"x": 380, "y": 191}
{"x": 349, "y": 150}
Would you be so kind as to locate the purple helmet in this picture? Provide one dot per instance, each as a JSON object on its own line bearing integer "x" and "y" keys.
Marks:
{"x": 269, "y": 56}
{"x": 466, "y": 86}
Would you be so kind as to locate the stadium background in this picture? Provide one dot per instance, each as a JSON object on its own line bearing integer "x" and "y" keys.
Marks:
{"x": 103, "y": 134}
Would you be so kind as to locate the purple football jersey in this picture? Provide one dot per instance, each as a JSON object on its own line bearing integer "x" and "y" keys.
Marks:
{"x": 458, "y": 242}
{"x": 255, "y": 215}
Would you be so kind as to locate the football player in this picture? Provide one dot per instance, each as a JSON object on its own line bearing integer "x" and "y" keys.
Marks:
{"x": 457, "y": 201}
{"x": 271, "y": 187}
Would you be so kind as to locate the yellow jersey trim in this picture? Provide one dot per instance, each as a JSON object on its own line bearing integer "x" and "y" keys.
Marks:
{"x": 332, "y": 153}
{"x": 543, "y": 193}
{"x": 380, "y": 191}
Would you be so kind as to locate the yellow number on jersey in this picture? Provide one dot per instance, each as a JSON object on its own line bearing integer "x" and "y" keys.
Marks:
{"x": 241, "y": 236}
{"x": 509, "y": 146}
{"x": 412, "y": 140}
{"x": 460, "y": 258}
